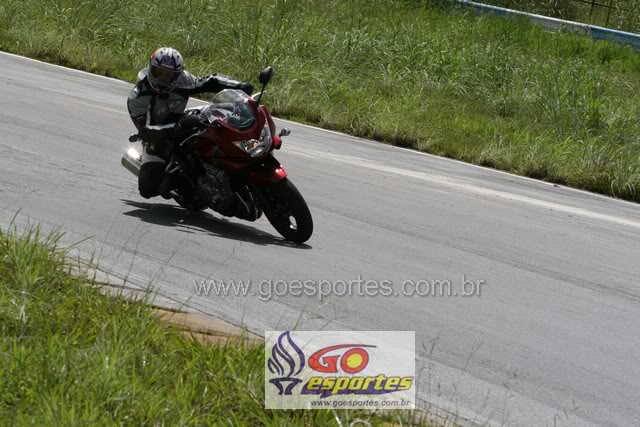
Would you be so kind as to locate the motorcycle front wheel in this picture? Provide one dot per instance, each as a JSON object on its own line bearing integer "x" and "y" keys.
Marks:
{"x": 287, "y": 211}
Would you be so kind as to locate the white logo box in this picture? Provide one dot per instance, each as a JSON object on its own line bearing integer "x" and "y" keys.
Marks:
{"x": 340, "y": 369}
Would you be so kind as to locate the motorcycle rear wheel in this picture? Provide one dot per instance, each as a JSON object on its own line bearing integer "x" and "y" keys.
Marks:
{"x": 287, "y": 211}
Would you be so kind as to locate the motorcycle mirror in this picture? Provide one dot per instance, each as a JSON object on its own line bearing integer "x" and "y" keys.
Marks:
{"x": 266, "y": 74}
{"x": 284, "y": 132}
{"x": 265, "y": 77}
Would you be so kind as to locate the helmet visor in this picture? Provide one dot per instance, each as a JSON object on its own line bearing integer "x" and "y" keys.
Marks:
{"x": 164, "y": 75}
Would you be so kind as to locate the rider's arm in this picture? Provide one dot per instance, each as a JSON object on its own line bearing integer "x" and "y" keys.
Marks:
{"x": 139, "y": 105}
{"x": 213, "y": 83}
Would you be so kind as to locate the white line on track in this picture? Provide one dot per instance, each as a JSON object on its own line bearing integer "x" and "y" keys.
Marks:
{"x": 458, "y": 184}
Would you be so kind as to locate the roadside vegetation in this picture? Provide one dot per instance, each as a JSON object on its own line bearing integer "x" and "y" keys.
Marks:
{"x": 72, "y": 356}
{"x": 500, "y": 93}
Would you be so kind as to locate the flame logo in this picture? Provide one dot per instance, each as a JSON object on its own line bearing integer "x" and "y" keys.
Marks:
{"x": 286, "y": 364}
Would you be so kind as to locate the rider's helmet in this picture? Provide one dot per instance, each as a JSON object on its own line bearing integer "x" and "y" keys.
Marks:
{"x": 165, "y": 67}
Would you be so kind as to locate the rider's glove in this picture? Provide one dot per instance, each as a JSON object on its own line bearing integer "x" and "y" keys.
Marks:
{"x": 246, "y": 88}
{"x": 155, "y": 136}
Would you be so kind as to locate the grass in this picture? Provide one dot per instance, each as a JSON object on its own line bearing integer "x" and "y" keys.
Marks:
{"x": 500, "y": 93}
{"x": 72, "y": 356}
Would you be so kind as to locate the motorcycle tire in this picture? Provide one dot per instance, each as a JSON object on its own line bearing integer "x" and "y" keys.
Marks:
{"x": 287, "y": 211}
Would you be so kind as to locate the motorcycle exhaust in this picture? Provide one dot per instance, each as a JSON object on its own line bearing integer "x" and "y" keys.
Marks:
{"x": 131, "y": 160}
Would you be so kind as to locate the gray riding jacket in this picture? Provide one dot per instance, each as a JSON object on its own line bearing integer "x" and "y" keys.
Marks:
{"x": 147, "y": 108}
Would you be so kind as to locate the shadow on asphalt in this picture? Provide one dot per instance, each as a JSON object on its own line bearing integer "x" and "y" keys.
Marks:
{"x": 203, "y": 222}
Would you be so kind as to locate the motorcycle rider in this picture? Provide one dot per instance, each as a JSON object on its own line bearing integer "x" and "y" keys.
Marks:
{"x": 156, "y": 106}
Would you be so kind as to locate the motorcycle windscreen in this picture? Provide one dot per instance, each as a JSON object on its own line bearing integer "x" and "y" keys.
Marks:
{"x": 231, "y": 107}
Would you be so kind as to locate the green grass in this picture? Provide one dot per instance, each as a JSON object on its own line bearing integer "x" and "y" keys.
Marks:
{"x": 70, "y": 356}
{"x": 500, "y": 93}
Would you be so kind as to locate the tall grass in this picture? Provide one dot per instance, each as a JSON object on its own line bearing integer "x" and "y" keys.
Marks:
{"x": 71, "y": 356}
{"x": 496, "y": 92}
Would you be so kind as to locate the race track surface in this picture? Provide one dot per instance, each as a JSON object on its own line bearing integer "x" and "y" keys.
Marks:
{"x": 553, "y": 337}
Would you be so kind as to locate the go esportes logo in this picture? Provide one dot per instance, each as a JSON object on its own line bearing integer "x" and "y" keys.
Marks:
{"x": 347, "y": 369}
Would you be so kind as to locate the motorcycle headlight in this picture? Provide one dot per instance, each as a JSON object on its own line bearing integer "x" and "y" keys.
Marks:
{"x": 256, "y": 147}
{"x": 134, "y": 153}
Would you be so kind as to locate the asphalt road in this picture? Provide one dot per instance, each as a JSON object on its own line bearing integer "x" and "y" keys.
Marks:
{"x": 553, "y": 337}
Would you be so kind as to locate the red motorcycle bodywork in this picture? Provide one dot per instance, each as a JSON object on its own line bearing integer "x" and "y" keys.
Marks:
{"x": 216, "y": 147}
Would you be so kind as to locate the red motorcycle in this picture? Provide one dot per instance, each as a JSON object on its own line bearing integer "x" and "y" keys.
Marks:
{"x": 227, "y": 164}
